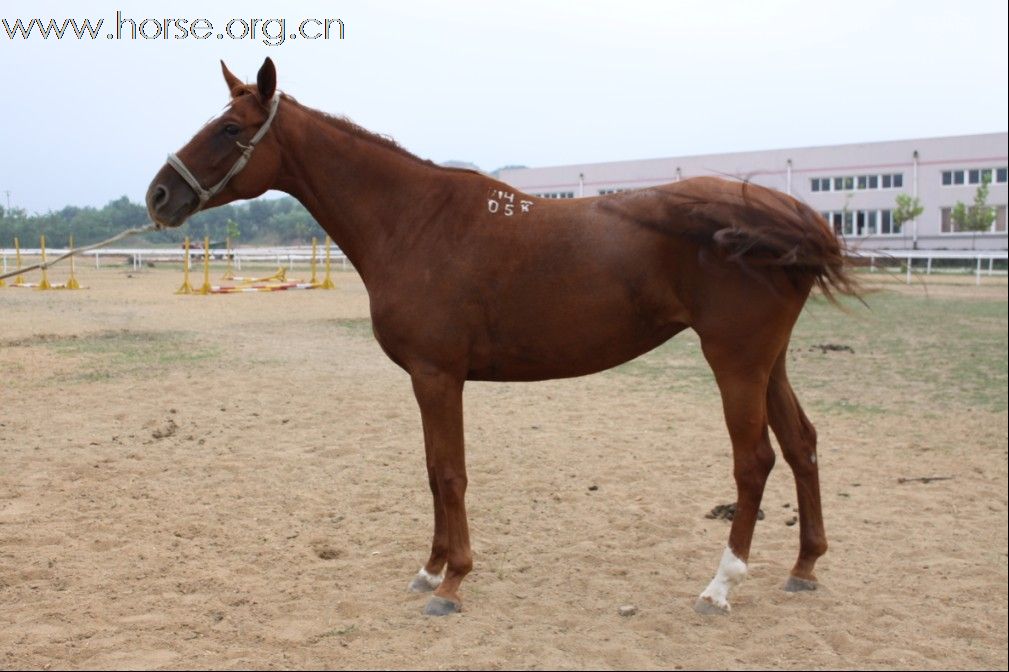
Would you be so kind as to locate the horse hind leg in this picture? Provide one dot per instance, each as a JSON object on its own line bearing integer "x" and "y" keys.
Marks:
{"x": 797, "y": 438}
{"x": 743, "y": 385}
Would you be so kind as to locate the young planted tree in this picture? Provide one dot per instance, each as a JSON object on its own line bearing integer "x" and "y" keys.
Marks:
{"x": 976, "y": 217}
{"x": 233, "y": 232}
{"x": 907, "y": 210}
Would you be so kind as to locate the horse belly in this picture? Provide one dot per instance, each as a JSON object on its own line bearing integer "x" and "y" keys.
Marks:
{"x": 566, "y": 341}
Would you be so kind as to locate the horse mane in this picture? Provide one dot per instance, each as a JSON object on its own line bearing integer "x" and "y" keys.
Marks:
{"x": 345, "y": 125}
{"x": 752, "y": 225}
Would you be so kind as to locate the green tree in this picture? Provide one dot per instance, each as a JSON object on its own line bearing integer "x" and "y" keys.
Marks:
{"x": 233, "y": 231}
{"x": 262, "y": 221}
{"x": 977, "y": 217}
{"x": 908, "y": 208}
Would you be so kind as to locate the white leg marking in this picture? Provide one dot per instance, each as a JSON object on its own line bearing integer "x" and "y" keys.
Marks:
{"x": 434, "y": 580}
{"x": 731, "y": 572}
{"x": 425, "y": 581}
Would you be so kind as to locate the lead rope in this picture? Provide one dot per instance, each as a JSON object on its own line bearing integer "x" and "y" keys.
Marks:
{"x": 84, "y": 248}
{"x": 203, "y": 194}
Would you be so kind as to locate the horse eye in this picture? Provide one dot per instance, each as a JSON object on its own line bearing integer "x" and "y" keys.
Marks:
{"x": 231, "y": 129}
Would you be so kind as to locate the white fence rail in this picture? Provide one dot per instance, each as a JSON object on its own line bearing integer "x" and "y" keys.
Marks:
{"x": 924, "y": 258}
{"x": 920, "y": 261}
{"x": 137, "y": 257}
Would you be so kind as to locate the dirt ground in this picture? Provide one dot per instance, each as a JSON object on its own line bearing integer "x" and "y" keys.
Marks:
{"x": 238, "y": 481}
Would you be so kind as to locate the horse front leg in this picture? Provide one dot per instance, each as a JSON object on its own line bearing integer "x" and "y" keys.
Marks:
{"x": 439, "y": 396}
{"x": 429, "y": 576}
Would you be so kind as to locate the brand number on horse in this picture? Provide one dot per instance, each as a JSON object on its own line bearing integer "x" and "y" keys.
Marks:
{"x": 504, "y": 202}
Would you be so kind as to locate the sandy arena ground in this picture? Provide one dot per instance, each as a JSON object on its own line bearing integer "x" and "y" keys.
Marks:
{"x": 238, "y": 481}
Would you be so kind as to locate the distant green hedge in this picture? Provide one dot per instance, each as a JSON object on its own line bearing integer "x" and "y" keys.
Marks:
{"x": 281, "y": 221}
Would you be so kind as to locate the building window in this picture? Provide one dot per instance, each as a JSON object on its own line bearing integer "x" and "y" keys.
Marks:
{"x": 974, "y": 176}
{"x": 557, "y": 194}
{"x": 947, "y": 225}
{"x": 857, "y": 182}
{"x": 613, "y": 190}
{"x": 862, "y": 223}
{"x": 836, "y": 220}
{"x": 865, "y": 221}
{"x": 887, "y": 226}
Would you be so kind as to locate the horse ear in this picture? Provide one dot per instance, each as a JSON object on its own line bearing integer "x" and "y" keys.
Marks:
{"x": 266, "y": 80}
{"x": 229, "y": 78}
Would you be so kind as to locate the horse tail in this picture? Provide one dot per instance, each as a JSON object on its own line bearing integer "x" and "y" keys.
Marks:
{"x": 750, "y": 224}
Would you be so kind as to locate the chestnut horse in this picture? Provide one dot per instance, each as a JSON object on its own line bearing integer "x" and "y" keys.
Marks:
{"x": 470, "y": 279}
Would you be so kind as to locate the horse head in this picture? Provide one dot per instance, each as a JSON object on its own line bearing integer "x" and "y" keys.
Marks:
{"x": 219, "y": 165}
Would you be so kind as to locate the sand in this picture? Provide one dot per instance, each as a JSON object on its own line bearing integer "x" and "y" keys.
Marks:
{"x": 238, "y": 481}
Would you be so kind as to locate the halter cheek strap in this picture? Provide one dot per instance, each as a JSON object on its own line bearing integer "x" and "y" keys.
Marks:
{"x": 206, "y": 194}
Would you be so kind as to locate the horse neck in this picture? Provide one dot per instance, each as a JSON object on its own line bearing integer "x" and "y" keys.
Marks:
{"x": 363, "y": 193}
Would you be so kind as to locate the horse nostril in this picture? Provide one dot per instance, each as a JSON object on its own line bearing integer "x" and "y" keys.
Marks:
{"x": 160, "y": 197}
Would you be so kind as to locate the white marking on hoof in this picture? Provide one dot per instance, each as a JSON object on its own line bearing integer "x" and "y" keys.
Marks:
{"x": 424, "y": 582}
{"x": 715, "y": 598}
{"x": 705, "y": 607}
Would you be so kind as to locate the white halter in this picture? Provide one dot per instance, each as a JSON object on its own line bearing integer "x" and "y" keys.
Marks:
{"x": 206, "y": 194}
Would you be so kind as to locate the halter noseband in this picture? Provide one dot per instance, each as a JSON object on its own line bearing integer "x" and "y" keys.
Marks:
{"x": 206, "y": 194}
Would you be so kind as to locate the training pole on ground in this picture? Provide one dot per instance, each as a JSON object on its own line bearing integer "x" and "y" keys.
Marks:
{"x": 229, "y": 272}
{"x": 186, "y": 288}
{"x": 313, "y": 280}
{"x": 327, "y": 282}
{"x": 72, "y": 280}
{"x": 20, "y": 280}
{"x": 44, "y": 284}
{"x": 206, "y": 288}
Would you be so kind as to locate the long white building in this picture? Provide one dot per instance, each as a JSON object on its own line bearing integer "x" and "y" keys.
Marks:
{"x": 854, "y": 186}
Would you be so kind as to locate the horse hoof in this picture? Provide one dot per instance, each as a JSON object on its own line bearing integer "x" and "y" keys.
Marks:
{"x": 420, "y": 584}
{"x": 706, "y": 607}
{"x": 439, "y": 606}
{"x": 796, "y": 585}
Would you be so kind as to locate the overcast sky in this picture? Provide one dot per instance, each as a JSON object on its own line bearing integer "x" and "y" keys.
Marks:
{"x": 517, "y": 82}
